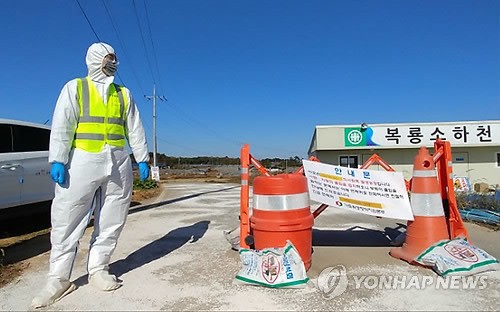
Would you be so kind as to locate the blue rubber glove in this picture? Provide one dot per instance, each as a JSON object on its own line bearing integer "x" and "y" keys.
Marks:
{"x": 57, "y": 172}
{"x": 143, "y": 170}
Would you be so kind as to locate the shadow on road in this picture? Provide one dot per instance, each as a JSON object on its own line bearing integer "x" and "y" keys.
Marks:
{"x": 30, "y": 243}
{"x": 357, "y": 237}
{"x": 156, "y": 249}
{"x": 175, "y": 200}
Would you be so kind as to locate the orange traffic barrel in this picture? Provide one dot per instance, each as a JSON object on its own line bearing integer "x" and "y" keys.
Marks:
{"x": 281, "y": 212}
{"x": 429, "y": 225}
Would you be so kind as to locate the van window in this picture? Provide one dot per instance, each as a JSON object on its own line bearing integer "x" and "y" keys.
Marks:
{"x": 5, "y": 139}
{"x": 30, "y": 139}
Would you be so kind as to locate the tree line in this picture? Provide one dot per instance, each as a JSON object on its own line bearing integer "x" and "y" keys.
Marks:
{"x": 163, "y": 160}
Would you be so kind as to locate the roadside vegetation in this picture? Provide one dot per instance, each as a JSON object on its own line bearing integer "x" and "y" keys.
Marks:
{"x": 480, "y": 208}
{"x": 145, "y": 185}
{"x": 477, "y": 201}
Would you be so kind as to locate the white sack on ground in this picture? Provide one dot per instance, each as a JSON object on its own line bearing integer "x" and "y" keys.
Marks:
{"x": 272, "y": 267}
{"x": 457, "y": 257}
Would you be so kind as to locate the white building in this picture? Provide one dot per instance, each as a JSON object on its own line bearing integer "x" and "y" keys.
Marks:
{"x": 475, "y": 146}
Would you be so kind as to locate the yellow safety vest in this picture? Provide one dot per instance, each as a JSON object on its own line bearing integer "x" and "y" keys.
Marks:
{"x": 100, "y": 124}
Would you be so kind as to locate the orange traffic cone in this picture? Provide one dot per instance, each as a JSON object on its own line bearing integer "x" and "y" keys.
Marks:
{"x": 429, "y": 225}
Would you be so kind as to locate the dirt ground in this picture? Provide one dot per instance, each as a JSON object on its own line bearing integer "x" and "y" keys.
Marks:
{"x": 140, "y": 197}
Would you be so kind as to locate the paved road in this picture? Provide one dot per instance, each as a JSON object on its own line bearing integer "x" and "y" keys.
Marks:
{"x": 172, "y": 256}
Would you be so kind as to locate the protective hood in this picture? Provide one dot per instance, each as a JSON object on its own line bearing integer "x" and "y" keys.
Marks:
{"x": 95, "y": 56}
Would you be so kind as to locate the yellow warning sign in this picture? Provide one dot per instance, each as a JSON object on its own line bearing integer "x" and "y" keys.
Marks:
{"x": 361, "y": 202}
{"x": 330, "y": 176}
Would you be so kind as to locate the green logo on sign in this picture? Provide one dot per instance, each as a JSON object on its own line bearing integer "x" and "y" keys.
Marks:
{"x": 354, "y": 137}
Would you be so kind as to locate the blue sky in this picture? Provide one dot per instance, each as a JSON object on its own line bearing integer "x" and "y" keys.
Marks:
{"x": 260, "y": 72}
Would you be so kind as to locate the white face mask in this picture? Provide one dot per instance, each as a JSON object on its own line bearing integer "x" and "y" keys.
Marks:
{"x": 109, "y": 66}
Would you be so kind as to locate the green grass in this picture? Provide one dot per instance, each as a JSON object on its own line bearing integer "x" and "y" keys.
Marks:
{"x": 144, "y": 185}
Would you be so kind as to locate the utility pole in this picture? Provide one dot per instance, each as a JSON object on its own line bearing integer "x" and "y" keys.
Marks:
{"x": 153, "y": 97}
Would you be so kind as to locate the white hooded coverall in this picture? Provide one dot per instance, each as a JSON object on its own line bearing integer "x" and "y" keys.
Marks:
{"x": 109, "y": 171}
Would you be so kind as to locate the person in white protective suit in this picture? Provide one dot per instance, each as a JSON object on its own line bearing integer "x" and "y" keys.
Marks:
{"x": 93, "y": 119}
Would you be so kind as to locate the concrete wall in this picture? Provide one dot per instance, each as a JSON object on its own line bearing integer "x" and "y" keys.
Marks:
{"x": 482, "y": 165}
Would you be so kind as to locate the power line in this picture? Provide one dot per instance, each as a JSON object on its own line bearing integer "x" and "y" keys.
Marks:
{"x": 122, "y": 45}
{"x": 182, "y": 146}
{"x": 88, "y": 21}
{"x": 209, "y": 130}
{"x": 205, "y": 127}
{"x": 95, "y": 33}
{"x": 153, "y": 46}
{"x": 190, "y": 119}
{"x": 143, "y": 42}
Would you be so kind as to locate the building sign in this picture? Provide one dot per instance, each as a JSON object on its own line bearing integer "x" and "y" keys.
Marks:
{"x": 371, "y": 192}
{"x": 426, "y": 135}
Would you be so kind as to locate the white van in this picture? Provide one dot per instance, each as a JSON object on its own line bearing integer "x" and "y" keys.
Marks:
{"x": 24, "y": 166}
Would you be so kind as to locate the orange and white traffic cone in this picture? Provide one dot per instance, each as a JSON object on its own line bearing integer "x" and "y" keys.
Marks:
{"x": 429, "y": 225}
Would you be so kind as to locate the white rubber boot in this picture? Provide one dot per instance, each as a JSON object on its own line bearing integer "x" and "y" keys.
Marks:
{"x": 53, "y": 291}
{"x": 104, "y": 281}
{"x": 233, "y": 238}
